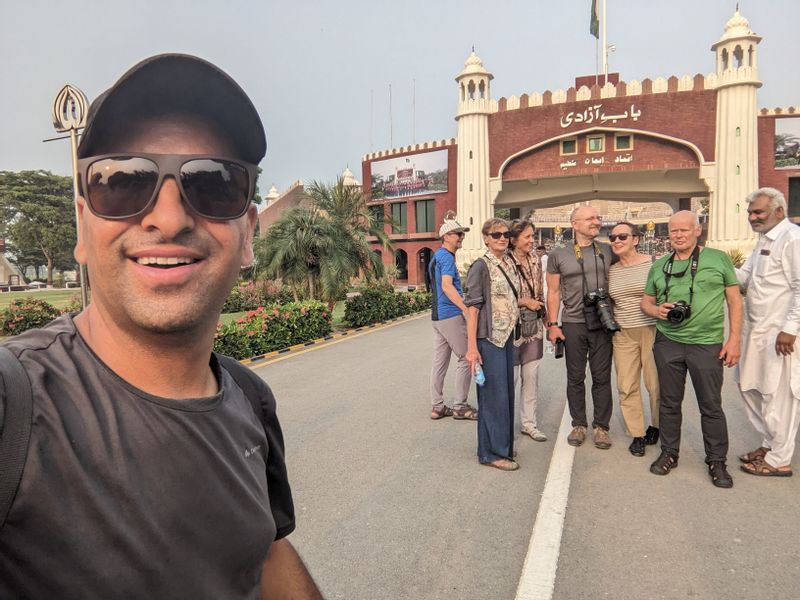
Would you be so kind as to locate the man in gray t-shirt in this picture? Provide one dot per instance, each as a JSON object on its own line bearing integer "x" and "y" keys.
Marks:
{"x": 572, "y": 273}
{"x": 154, "y": 470}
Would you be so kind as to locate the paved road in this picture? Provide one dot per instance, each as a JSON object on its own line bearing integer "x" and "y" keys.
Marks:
{"x": 392, "y": 505}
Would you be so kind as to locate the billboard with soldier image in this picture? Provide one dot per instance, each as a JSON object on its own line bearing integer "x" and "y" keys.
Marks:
{"x": 424, "y": 173}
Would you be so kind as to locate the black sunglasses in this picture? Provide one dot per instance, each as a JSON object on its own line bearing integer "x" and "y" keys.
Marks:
{"x": 620, "y": 236}
{"x": 121, "y": 186}
{"x": 496, "y": 235}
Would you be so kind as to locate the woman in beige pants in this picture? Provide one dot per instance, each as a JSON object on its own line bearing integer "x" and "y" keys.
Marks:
{"x": 633, "y": 345}
{"x": 528, "y": 351}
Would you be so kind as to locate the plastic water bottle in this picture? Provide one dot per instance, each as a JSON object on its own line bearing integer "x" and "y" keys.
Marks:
{"x": 480, "y": 378}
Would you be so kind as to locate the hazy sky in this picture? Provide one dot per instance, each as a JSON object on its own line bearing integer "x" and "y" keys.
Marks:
{"x": 311, "y": 67}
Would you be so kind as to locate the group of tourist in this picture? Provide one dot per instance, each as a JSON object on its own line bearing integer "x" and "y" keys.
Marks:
{"x": 658, "y": 319}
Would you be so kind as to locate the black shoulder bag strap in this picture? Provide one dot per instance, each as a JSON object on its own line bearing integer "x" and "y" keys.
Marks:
{"x": 244, "y": 379}
{"x": 524, "y": 277}
{"x": 508, "y": 279}
{"x": 16, "y": 432}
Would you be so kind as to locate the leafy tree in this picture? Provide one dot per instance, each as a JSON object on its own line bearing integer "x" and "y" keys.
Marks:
{"x": 322, "y": 244}
{"x": 38, "y": 218}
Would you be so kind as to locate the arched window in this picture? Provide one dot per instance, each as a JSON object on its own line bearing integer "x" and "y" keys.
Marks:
{"x": 463, "y": 93}
{"x": 724, "y": 59}
{"x": 738, "y": 55}
{"x": 401, "y": 262}
{"x": 738, "y": 131}
{"x": 471, "y": 90}
{"x": 470, "y": 153}
{"x": 482, "y": 89}
{"x": 750, "y": 56}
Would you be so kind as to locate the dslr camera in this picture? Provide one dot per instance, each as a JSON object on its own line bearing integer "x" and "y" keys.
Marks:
{"x": 679, "y": 312}
{"x": 598, "y": 311}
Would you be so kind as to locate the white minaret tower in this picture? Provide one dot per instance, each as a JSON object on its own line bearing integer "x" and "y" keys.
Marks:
{"x": 474, "y": 106}
{"x": 737, "y": 136}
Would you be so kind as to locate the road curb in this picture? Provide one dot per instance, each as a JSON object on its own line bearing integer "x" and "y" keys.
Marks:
{"x": 341, "y": 334}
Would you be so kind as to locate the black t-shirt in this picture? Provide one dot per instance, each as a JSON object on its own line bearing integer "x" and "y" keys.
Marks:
{"x": 127, "y": 495}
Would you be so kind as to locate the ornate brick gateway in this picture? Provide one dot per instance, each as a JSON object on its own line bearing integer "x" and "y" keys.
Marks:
{"x": 661, "y": 140}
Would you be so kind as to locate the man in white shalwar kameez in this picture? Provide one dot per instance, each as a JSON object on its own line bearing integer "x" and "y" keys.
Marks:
{"x": 769, "y": 370}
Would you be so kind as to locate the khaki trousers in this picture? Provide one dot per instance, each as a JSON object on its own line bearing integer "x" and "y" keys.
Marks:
{"x": 633, "y": 357}
{"x": 450, "y": 337}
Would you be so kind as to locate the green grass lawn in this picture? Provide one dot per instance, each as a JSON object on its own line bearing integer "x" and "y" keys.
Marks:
{"x": 58, "y": 298}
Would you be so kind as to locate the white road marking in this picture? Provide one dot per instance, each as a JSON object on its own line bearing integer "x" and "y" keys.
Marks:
{"x": 538, "y": 577}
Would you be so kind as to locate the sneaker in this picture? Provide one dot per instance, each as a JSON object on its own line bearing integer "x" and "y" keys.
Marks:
{"x": 651, "y": 436}
{"x": 601, "y": 438}
{"x": 637, "y": 446}
{"x": 719, "y": 474}
{"x": 664, "y": 463}
{"x": 577, "y": 436}
{"x": 534, "y": 433}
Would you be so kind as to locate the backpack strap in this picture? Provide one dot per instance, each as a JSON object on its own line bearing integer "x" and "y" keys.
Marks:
{"x": 244, "y": 378}
{"x": 263, "y": 402}
{"x": 16, "y": 428}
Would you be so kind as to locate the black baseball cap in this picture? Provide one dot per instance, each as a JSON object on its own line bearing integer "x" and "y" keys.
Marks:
{"x": 168, "y": 83}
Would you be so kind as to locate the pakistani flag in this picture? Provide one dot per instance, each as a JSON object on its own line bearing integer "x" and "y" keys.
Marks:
{"x": 594, "y": 22}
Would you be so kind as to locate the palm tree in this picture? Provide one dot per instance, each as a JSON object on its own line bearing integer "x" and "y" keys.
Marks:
{"x": 322, "y": 244}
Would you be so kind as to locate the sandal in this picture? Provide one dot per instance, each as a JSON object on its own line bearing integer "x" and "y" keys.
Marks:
{"x": 503, "y": 464}
{"x": 467, "y": 413}
{"x": 755, "y": 455}
{"x": 441, "y": 412}
{"x": 664, "y": 463}
{"x": 762, "y": 468}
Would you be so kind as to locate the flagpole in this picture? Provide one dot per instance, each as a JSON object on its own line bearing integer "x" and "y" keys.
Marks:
{"x": 605, "y": 47}
{"x": 596, "y": 61}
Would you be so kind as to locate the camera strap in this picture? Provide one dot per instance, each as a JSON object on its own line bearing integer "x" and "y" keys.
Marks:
{"x": 579, "y": 258}
{"x": 693, "y": 272}
{"x": 524, "y": 277}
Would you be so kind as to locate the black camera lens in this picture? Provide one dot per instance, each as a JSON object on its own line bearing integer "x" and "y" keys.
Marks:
{"x": 679, "y": 312}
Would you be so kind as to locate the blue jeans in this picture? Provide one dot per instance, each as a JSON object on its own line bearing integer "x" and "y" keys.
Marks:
{"x": 496, "y": 402}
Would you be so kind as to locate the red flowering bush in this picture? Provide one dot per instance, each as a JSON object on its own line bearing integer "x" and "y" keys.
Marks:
{"x": 26, "y": 313}
{"x": 273, "y": 327}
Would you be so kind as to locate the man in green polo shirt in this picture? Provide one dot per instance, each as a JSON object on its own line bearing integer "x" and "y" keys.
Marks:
{"x": 686, "y": 291}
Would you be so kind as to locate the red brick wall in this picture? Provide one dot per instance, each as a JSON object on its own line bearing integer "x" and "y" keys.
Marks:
{"x": 647, "y": 153}
{"x": 412, "y": 242}
{"x": 689, "y": 116}
{"x": 768, "y": 175}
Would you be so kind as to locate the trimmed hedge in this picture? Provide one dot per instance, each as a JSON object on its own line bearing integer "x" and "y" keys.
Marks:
{"x": 273, "y": 327}
{"x": 381, "y": 303}
{"x": 26, "y": 313}
{"x": 250, "y": 296}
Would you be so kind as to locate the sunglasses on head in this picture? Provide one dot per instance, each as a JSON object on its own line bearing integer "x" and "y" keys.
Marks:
{"x": 619, "y": 236}
{"x": 496, "y": 235}
{"x": 121, "y": 186}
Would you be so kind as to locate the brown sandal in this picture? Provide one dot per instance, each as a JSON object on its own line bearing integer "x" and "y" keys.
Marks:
{"x": 467, "y": 413}
{"x": 755, "y": 455}
{"x": 762, "y": 468}
{"x": 503, "y": 464}
{"x": 441, "y": 412}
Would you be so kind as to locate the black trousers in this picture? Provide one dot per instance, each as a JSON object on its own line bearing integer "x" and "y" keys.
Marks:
{"x": 673, "y": 360}
{"x": 579, "y": 345}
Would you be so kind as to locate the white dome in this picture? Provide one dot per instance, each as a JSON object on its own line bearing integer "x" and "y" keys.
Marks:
{"x": 737, "y": 26}
{"x": 474, "y": 66}
{"x": 348, "y": 178}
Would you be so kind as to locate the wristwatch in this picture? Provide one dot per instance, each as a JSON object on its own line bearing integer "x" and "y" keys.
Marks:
{"x": 552, "y": 323}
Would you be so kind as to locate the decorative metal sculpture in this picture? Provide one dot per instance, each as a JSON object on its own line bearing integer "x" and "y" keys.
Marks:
{"x": 69, "y": 114}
